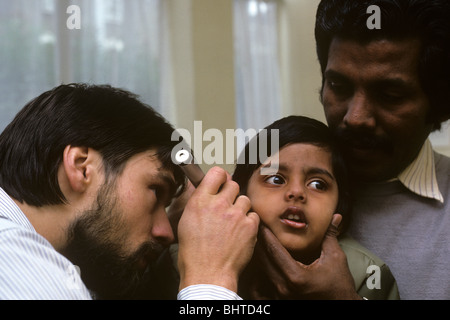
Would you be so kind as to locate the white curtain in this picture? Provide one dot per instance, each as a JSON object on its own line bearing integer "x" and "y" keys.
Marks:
{"x": 258, "y": 95}
{"x": 119, "y": 42}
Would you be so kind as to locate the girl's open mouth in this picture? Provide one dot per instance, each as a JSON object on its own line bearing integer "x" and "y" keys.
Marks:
{"x": 294, "y": 217}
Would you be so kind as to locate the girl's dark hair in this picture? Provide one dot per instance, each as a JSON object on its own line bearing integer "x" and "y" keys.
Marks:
{"x": 296, "y": 129}
{"x": 426, "y": 20}
{"x": 109, "y": 120}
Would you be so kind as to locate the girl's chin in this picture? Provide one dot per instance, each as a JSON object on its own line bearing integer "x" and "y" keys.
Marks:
{"x": 300, "y": 247}
{"x": 303, "y": 256}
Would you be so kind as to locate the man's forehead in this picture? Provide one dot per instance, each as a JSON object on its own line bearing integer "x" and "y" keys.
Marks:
{"x": 149, "y": 163}
{"x": 388, "y": 58}
{"x": 380, "y": 49}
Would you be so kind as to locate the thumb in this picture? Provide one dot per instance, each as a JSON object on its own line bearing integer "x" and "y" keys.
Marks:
{"x": 333, "y": 228}
{"x": 330, "y": 241}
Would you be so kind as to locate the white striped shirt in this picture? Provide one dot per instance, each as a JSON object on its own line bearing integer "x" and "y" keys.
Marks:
{"x": 31, "y": 269}
{"x": 207, "y": 292}
{"x": 420, "y": 175}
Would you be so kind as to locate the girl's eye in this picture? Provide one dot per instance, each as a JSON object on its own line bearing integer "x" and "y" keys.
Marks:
{"x": 277, "y": 180}
{"x": 319, "y": 185}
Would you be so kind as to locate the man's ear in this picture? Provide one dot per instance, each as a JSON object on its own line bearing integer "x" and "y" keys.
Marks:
{"x": 78, "y": 167}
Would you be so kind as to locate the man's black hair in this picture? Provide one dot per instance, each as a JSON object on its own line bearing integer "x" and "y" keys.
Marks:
{"x": 112, "y": 121}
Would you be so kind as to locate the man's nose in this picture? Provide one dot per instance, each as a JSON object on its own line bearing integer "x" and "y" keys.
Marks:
{"x": 360, "y": 112}
{"x": 161, "y": 229}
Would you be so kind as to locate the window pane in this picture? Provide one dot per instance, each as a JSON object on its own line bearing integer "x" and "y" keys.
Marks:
{"x": 26, "y": 53}
{"x": 256, "y": 63}
{"x": 118, "y": 44}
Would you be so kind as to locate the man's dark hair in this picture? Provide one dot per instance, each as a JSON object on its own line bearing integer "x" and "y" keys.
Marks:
{"x": 297, "y": 129}
{"x": 426, "y": 20}
{"x": 109, "y": 120}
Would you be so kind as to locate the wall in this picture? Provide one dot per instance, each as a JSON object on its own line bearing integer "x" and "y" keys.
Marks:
{"x": 203, "y": 65}
{"x": 300, "y": 68}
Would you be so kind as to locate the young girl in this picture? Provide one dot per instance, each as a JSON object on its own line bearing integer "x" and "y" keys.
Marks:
{"x": 301, "y": 187}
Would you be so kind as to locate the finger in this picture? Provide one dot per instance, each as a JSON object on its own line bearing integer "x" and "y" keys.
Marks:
{"x": 243, "y": 202}
{"x": 230, "y": 190}
{"x": 278, "y": 253}
{"x": 330, "y": 242}
{"x": 178, "y": 204}
{"x": 254, "y": 218}
{"x": 213, "y": 181}
{"x": 176, "y": 209}
{"x": 333, "y": 228}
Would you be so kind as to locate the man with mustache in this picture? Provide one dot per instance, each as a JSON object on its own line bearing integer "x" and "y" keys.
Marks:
{"x": 383, "y": 92}
{"x": 85, "y": 178}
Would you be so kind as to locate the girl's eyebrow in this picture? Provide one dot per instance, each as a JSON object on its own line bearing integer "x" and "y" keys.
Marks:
{"x": 281, "y": 167}
{"x": 316, "y": 170}
{"x": 308, "y": 170}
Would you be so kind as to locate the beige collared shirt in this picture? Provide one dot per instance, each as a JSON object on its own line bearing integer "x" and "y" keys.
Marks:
{"x": 420, "y": 175}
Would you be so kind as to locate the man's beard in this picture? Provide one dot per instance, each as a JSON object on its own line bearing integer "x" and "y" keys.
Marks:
{"x": 368, "y": 156}
{"x": 95, "y": 245}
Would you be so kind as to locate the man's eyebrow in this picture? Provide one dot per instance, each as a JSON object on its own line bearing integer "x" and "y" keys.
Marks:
{"x": 394, "y": 83}
{"x": 384, "y": 82}
{"x": 161, "y": 173}
{"x": 165, "y": 179}
{"x": 333, "y": 74}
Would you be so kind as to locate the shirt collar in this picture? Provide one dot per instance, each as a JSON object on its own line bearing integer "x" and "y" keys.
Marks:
{"x": 10, "y": 211}
{"x": 420, "y": 175}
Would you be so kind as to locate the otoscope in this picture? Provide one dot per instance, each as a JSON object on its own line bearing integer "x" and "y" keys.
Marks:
{"x": 192, "y": 170}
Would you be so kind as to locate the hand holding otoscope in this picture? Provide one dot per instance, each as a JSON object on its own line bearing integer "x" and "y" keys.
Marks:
{"x": 195, "y": 174}
{"x": 216, "y": 233}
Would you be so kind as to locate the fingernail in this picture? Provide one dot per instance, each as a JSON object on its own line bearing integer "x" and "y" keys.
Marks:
{"x": 337, "y": 218}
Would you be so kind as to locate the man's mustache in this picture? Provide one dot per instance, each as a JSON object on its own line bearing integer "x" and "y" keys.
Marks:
{"x": 149, "y": 251}
{"x": 363, "y": 140}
